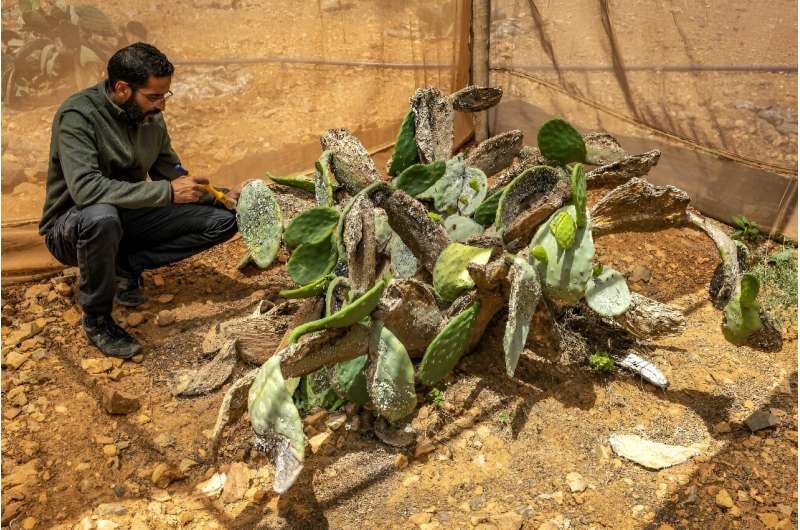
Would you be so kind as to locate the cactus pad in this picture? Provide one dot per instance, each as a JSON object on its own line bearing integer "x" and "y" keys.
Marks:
{"x": 602, "y": 148}
{"x": 531, "y": 185}
{"x": 417, "y": 178}
{"x": 274, "y": 415}
{"x": 311, "y": 226}
{"x": 563, "y": 228}
{"x": 742, "y": 314}
{"x": 526, "y": 292}
{"x": 294, "y": 182}
{"x": 446, "y": 349}
{"x": 403, "y": 262}
{"x": 558, "y": 140}
{"x": 486, "y": 212}
{"x": 475, "y": 98}
{"x": 749, "y": 289}
{"x": 446, "y": 190}
{"x": 450, "y": 275}
{"x": 324, "y": 179}
{"x": 315, "y": 288}
{"x": 260, "y": 222}
{"x": 350, "y": 380}
{"x": 473, "y": 191}
{"x": 312, "y": 260}
{"x": 391, "y": 375}
{"x": 608, "y": 293}
{"x": 347, "y": 316}
{"x": 566, "y": 272}
{"x": 352, "y": 165}
{"x": 578, "y": 181}
{"x": 461, "y": 228}
{"x": 433, "y": 124}
{"x": 538, "y": 252}
{"x": 405, "y": 147}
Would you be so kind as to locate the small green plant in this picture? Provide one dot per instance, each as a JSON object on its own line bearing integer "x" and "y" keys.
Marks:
{"x": 777, "y": 273}
{"x": 436, "y": 397}
{"x": 745, "y": 228}
{"x": 602, "y": 362}
{"x": 504, "y": 417}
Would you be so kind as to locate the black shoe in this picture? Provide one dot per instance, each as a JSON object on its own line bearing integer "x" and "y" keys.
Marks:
{"x": 111, "y": 339}
{"x": 129, "y": 293}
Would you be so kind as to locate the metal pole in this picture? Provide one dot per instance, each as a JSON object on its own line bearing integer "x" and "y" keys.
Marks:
{"x": 480, "y": 60}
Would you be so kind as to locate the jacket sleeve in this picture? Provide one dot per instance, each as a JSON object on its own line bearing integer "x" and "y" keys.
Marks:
{"x": 78, "y": 154}
{"x": 164, "y": 166}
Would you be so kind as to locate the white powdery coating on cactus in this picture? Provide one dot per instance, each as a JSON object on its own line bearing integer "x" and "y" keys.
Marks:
{"x": 525, "y": 295}
{"x": 433, "y": 124}
{"x": 353, "y": 167}
{"x": 260, "y": 222}
{"x": 608, "y": 293}
{"x": 404, "y": 263}
{"x": 391, "y": 375}
{"x": 461, "y": 228}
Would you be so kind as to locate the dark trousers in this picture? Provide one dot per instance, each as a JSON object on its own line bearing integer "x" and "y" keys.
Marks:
{"x": 106, "y": 242}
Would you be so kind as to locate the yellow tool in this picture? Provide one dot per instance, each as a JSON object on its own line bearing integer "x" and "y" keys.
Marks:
{"x": 220, "y": 197}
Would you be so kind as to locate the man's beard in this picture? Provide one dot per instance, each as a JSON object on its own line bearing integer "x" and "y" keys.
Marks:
{"x": 134, "y": 113}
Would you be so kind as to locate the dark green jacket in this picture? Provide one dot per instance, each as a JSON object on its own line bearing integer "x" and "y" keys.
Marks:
{"x": 98, "y": 156}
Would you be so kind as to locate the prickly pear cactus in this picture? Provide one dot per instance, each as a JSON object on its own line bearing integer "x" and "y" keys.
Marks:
{"x": 558, "y": 140}
{"x": 403, "y": 262}
{"x": 486, "y": 212}
{"x": 347, "y": 316}
{"x": 433, "y": 124}
{"x": 539, "y": 253}
{"x": 578, "y": 181}
{"x": 315, "y": 288}
{"x": 312, "y": 261}
{"x": 566, "y": 271}
{"x": 260, "y": 222}
{"x": 311, "y": 226}
{"x": 352, "y": 165}
{"x": 350, "y": 380}
{"x": 563, "y": 228}
{"x": 417, "y": 178}
{"x": 742, "y": 314}
{"x": 391, "y": 375}
{"x": 461, "y": 228}
{"x": 526, "y": 292}
{"x": 446, "y": 349}
{"x": 602, "y": 149}
{"x": 450, "y": 275}
{"x": 447, "y": 189}
{"x": 608, "y": 293}
{"x": 277, "y": 422}
{"x": 293, "y": 182}
{"x": 324, "y": 179}
{"x": 405, "y": 147}
{"x": 473, "y": 191}
{"x": 526, "y": 188}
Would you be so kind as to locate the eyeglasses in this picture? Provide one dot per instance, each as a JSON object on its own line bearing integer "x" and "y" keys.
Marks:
{"x": 155, "y": 98}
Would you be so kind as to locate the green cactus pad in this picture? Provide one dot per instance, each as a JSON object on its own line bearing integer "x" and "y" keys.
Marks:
{"x": 419, "y": 177}
{"x": 447, "y": 189}
{"x": 486, "y": 212}
{"x": 336, "y": 294}
{"x": 597, "y": 270}
{"x": 450, "y": 275}
{"x": 563, "y": 228}
{"x": 294, "y": 182}
{"x": 526, "y": 292}
{"x": 383, "y": 232}
{"x": 749, "y": 289}
{"x": 403, "y": 262}
{"x": 317, "y": 391}
{"x": 324, "y": 179}
{"x": 314, "y": 288}
{"x": 531, "y": 184}
{"x": 347, "y": 316}
{"x": 579, "y": 194}
{"x": 608, "y": 293}
{"x": 350, "y": 380}
{"x": 558, "y": 140}
{"x": 461, "y": 228}
{"x": 311, "y": 226}
{"x": 260, "y": 222}
{"x": 273, "y": 414}
{"x": 405, "y": 147}
{"x": 435, "y": 217}
{"x": 740, "y": 322}
{"x": 446, "y": 349}
{"x": 473, "y": 191}
{"x": 312, "y": 260}
{"x": 566, "y": 272}
{"x": 538, "y": 252}
{"x": 391, "y": 375}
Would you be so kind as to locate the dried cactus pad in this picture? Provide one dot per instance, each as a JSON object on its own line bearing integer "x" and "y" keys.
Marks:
{"x": 525, "y": 295}
{"x": 391, "y": 375}
{"x": 531, "y": 185}
{"x": 608, "y": 293}
{"x": 558, "y": 140}
{"x": 260, "y": 222}
{"x": 312, "y": 260}
{"x": 496, "y": 153}
{"x": 311, "y": 226}
{"x": 347, "y": 316}
{"x": 461, "y": 228}
{"x": 566, "y": 271}
{"x": 419, "y": 177}
{"x": 352, "y": 165}
{"x": 450, "y": 275}
{"x": 476, "y": 98}
{"x": 433, "y": 123}
{"x": 405, "y": 147}
{"x": 446, "y": 349}
{"x": 274, "y": 415}
{"x": 602, "y": 148}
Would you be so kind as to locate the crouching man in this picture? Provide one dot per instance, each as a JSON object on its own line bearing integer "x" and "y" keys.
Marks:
{"x": 102, "y": 214}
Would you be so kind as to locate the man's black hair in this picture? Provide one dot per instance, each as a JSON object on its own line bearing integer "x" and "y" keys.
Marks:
{"x": 135, "y": 64}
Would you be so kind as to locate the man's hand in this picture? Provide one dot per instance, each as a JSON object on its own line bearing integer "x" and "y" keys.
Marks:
{"x": 188, "y": 189}
{"x": 237, "y": 190}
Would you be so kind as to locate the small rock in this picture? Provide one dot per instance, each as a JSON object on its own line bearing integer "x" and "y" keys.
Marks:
{"x": 420, "y": 518}
{"x": 576, "y": 482}
{"x": 29, "y": 523}
{"x": 722, "y": 427}
{"x": 108, "y": 509}
{"x": 97, "y": 365}
{"x": 15, "y": 359}
{"x": 423, "y": 448}
{"x": 72, "y": 316}
{"x": 134, "y": 319}
{"x": 10, "y": 413}
{"x": 316, "y": 442}
{"x": 25, "y": 331}
{"x": 186, "y": 465}
{"x": 186, "y": 517}
{"x": 336, "y": 420}
{"x": 37, "y": 291}
{"x": 110, "y": 450}
{"x": 770, "y": 520}
{"x": 237, "y": 483}
{"x": 64, "y": 289}
{"x": 508, "y": 521}
{"x": 165, "y": 318}
{"x": 652, "y": 455}
{"x": 723, "y": 499}
{"x": 106, "y": 524}
{"x": 760, "y": 420}
{"x": 166, "y": 298}
{"x": 318, "y": 416}
{"x": 138, "y": 358}
{"x": 213, "y": 485}
{"x": 162, "y": 475}
{"x": 641, "y": 274}
{"x": 400, "y": 461}
{"x": 115, "y": 402}
{"x": 10, "y": 511}
{"x": 158, "y": 280}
